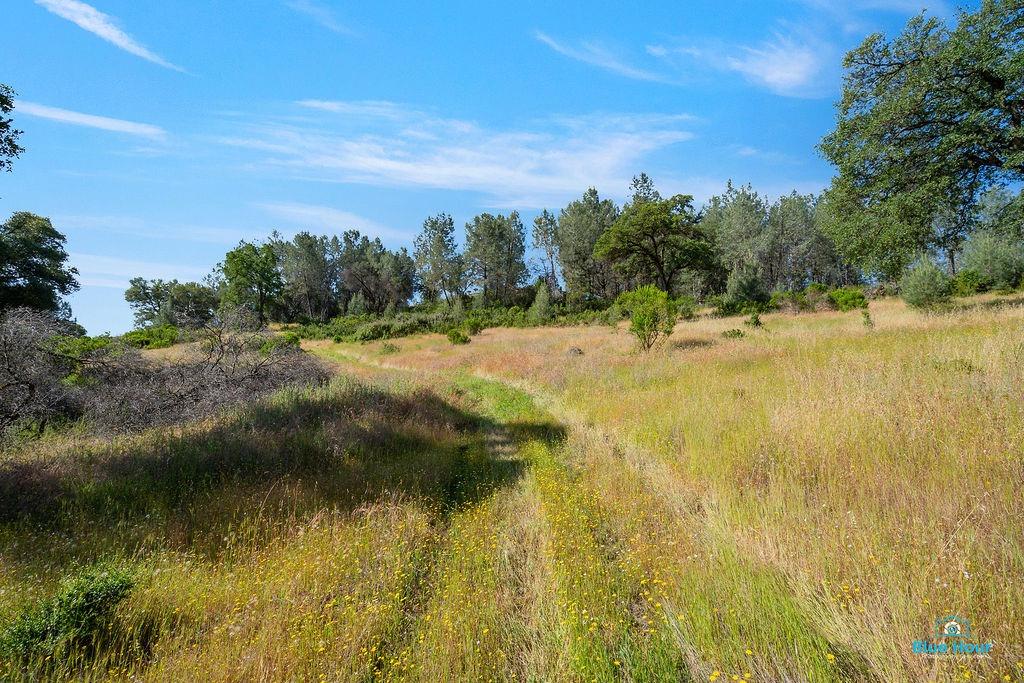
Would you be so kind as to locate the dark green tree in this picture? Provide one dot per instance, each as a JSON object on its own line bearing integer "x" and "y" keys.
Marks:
{"x": 148, "y": 299}
{"x": 580, "y": 224}
{"x": 545, "y": 238}
{"x": 310, "y": 274}
{"x": 380, "y": 277}
{"x": 252, "y": 277}
{"x": 9, "y": 148}
{"x": 927, "y": 120}
{"x": 655, "y": 240}
{"x": 190, "y": 304}
{"x": 33, "y": 264}
{"x": 642, "y": 189}
{"x": 440, "y": 269}
{"x": 495, "y": 247}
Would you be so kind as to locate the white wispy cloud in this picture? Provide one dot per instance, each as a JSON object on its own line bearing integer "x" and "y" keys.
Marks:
{"x": 795, "y": 65}
{"x": 91, "y": 120}
{"x": 538, "y": 165}
{"x": 321, "y": 14}
{"x": 597, "y": 55}
{"x": 326, "y": 218}
{"x": 368, "y": 108}
{"x": 114, "y": 273}
{"x": 104, "y": 26}
{"x": 782, "y": 65}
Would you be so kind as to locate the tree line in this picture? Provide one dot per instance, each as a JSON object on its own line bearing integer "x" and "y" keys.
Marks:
{"x": 590, "y": 252}
{"x": 929, "y": 157}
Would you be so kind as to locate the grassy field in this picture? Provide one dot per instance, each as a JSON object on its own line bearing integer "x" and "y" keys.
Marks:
{"x": 797, "y": 504}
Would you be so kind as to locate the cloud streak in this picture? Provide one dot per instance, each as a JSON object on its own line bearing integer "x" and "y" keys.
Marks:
{"x": 321, "y": 14}
{"x": 599, "y": 56}
{"x": 317, "y": 217}
{"x": 543, "y": 163}
{"x": 104, "y": 26}
{"x": 790, "y": 65}
{"x": 91, "y": 121}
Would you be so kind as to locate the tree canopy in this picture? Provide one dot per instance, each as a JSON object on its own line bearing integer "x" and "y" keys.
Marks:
{"x": 927, "y": 120}
{"x": 495, "y": 247}
{"x": 9, "y": 148}
{"x": 33, "y": 264}
{"x": 252, "y": 277}
{"x": 655, "y": 240}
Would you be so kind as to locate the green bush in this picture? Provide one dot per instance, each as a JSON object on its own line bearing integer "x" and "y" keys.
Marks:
{"x": 725, "y": 306}
{"x": 816, "y": 298}
{"x": 788, "y": 301}
{"x": 281, "y": 341}
{"x": 733, "y": 334}
{"x": 156, "y": 337}
{"x": 474, "y": 325}
{"x": 540, "y": 311}
{"x": 650, "y": 315}
{"x": 745, "y": 287}
{"x": 754, "y": 320}
{"x": 848, "y": 298}
{"x": 998, "y": 260}
{"x": 457, "y": 335}
{"x": 73, "y": 618}
{"x": 968, "y": 282}
{"x": 686, "y": 306}
{"x": 925, "y": 286}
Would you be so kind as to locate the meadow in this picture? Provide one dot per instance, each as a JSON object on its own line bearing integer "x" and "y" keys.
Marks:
{"x": 799, "y": 503}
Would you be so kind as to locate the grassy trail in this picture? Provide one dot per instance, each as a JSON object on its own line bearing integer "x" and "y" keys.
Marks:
{"x": 633, "y": 561}
{"x": 780, "y": 507}
{"x": 494, "y": 512}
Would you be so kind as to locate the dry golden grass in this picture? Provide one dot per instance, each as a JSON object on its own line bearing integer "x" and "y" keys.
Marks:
{"x": 845, "y": 485}
{"x": 798, "y": 504}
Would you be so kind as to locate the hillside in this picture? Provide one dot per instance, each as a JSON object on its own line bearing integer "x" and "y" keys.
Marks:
{"x": 799, "y": 503}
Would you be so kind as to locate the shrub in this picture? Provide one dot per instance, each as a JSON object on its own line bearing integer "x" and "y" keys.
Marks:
{"x": 725, "y": 306}
{"x": 998, "y": 260}
{"x": 288, "y": 340}
{"x": 474, "y": 325}
{"x": 613, "y": 315}
{"x": 865, "y": 315}
{"x": 745, "y": 287}
{"x": 788, "y": 301}
{"x": 754, "y": 320}
{"x": 235, "y": 361}
{"x": 457, "y": 335}
{"x": 733, "y": 334}
{"x": 816, "y": 298}
{"x": 388, "y": 348}
{"x": 650, "y": 315}
{"x": 968, "y": 282}
{"x": 686, "y": 307}
{"x": 155, "y": 337}
{"x": 848, "y": 298}
{"x": 35, "y": 364}
{"x": 925, "y": 286}
{"x": 75, "y": 617}
{"x": 540, "y": 311}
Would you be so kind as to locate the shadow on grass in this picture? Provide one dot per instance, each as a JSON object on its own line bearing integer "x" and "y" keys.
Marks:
{"x": 692, "y": 343}
{"x": 991, "y": 304}
{"x": 339, "y": 447}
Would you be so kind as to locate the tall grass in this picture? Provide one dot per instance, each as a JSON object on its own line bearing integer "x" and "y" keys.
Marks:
{"x": 810, "y": 496}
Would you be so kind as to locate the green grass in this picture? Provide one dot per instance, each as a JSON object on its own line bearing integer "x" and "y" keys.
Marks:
{"x": 796, "y": 504}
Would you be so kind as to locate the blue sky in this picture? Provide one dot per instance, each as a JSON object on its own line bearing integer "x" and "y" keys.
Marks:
{"x": 159, "y": 134}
